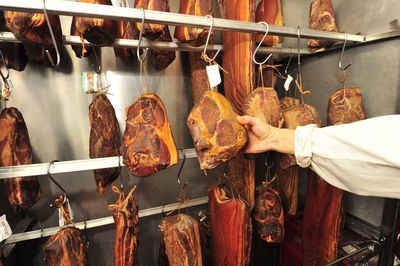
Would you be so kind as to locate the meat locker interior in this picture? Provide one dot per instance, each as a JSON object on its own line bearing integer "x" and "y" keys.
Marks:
{"x": 120, "y": 142}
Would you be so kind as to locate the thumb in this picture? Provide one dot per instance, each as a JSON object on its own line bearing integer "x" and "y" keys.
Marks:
{"x": 247, "y": 120}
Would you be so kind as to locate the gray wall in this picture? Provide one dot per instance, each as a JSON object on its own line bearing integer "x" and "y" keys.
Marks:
{"x": 375, "y": 69}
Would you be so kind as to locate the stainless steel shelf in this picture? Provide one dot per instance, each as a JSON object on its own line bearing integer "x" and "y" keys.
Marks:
{"x": 103, "y": 221}
{"x": 72, "y": 166}
{"x": 177, "y": 46}
{"x": 71, "y": 8}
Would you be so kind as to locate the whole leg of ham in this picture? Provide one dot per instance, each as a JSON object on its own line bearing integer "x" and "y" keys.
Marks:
{"x": 270, "y": 11}
{"x": 182, "y": 240}
{"x": 125, "y": 30}
{"x": 148, "y": 145}
{"x": 322, "y": 17}
{"x": 32, "y": 30}
{"x": 15, "y": 149}
{"x": 216, "y": 134}
{"x": 193, "y": 36}
{"x": 161, "y": 59}
{"x": 238, "y": 83}
{"x": 323, "y": 215}
{"x": 231, "y": 229}
{"x": 13, "y": 53}
{"x": 104, "y": 139}
{"x": 67, "y": 246}
{"x": 126, "y": 219}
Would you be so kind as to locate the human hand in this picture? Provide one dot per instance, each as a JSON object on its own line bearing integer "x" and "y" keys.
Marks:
{"x": 261, "y": 134}
{"x": 264, "y": 137}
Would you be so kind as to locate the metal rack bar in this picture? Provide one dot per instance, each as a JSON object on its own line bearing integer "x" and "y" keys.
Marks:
{"x": 177, "y": 46}
{"x": 72, "y": 166}
{"x": 103, "y": 221}
{"x": 71, "y": 8}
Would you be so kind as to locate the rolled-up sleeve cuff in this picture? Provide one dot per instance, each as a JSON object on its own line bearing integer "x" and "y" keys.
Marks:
{"x": 303, "y": 145}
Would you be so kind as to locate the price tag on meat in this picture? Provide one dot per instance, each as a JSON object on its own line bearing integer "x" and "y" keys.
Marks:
{"x": 5, "y": 229}
{"x": 288, "y": 81}
{"x": 214, "y": 77}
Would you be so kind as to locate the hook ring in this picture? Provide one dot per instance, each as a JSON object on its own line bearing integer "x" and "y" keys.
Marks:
{"x": 142, "y": 57}
{"x": 259, "y": 45}
{"x": 208, "y": 60}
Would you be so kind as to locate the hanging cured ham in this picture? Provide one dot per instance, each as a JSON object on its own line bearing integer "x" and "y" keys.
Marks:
{"x": 125, "y": 30}
{"x": 126, "y": 219}
{"x": 161, "y": 59}
{"x": 322, "y": 17}
{"x": 104, "y": 139}
{"x": 238, "y": 83}
{"x": 216, "y": 134}
{"x": 67, "y": 246}
{"x": 182, "y": 240}
{"x": 100, "y": 32}
{"x": 32, "y": 30}
{"x": 270, "y": 11}
{"x": 148, "y": 145}
{"x": 15, "y": 149}
{"x": 324, "y": 203}
{"x": 268, "y": 215}
{"x": 231, "y": 229}
{"x": 296, "y": 115}
{"x": 13, "y": 53}
{"x": 193, "y": 36}
{"x": 198, "y": 75}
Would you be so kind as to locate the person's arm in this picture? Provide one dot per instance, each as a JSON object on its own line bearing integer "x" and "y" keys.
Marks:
{"x": 361, "y": 157}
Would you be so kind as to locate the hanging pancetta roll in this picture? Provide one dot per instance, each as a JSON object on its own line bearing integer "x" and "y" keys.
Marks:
{"x": 148, "y": 144}
{"x": 270, "y": 11}
{"x": 67, "y": 246}
{"x": 97, "y": 31}
{"x": 193, "y": 36}
{"x": 324, "y": 210}
{"x": 216, "y": 134}
{"x": 32, "y": 30}
{"x": 126, "y": 219}
{"x": 13, "y": 53}
{"x": 231, "y": 229}
{"x": 238, "y": 83}
{"x": 157, "y": 32}
{"x": 104, "y": 139}
{"x": 15, "y": 149}
{"x": 322, "y": 17}
{"x": 182, "y": 240}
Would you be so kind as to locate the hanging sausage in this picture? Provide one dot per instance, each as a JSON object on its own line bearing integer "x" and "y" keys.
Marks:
{"x": 15, "y": 149}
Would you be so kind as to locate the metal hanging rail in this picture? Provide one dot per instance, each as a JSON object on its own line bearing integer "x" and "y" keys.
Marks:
{"x": 72, "y": 166}
{"x": 177, "y": 46}
{"x": 103, "y": 221}
{"x": 71, "y": 8}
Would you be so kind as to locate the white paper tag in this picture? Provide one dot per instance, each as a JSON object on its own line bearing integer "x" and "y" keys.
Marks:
{"x": 349, "y": 249}
{"x": 93, "y": 82}
{"x": 6, "y": 89}
{"x": 214, "y": 77}
{"x": 5, "y": 229}
{"x": 288, "y": 81}
{"x": 61, "y": 220}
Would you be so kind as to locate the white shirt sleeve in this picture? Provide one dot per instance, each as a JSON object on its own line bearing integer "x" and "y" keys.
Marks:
{"x": 362, "y": 157}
